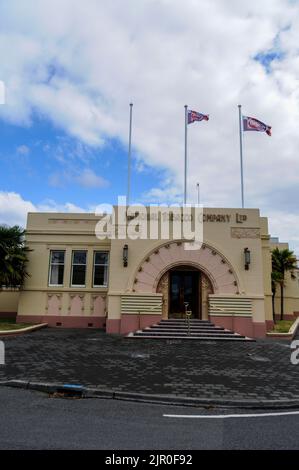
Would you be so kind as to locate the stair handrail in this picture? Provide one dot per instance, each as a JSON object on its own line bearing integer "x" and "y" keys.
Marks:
{"x": 188, "y": 314}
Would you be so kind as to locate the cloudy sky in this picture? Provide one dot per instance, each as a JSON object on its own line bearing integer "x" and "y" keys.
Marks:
{"x": 71, "y": 68}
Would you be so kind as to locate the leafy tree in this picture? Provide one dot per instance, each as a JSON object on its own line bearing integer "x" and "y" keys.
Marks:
{"x": 283, "y": 261}
{"x": 13, "y": 256}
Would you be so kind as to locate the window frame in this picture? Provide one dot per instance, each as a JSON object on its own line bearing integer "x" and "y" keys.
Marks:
{"x": 105, "y": 265}
{"x": 77, "y": 264}
{"x": 56, "y": 264}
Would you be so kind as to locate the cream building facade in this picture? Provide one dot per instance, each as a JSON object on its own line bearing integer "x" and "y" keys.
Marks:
{"x": 78, "y": 280}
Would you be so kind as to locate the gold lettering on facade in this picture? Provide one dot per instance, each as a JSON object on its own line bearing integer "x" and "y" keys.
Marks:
{"x": 170, "y": 216}
{"x": 216, "y": 218}
{"x": 240, "y": 218}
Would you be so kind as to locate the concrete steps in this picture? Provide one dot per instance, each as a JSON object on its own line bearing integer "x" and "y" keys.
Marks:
{"x": 178, "y": 329}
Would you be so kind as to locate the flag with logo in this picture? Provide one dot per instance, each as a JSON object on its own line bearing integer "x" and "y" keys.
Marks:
{"x": 195, "y": 116}
{"x": 253, "y": 124}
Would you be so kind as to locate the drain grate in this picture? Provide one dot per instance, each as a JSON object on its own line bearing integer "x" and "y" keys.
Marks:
{"x": 68, "y": 391}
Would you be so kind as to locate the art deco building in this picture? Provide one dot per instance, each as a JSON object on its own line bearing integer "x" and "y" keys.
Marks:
{"x": 124, "y": 284}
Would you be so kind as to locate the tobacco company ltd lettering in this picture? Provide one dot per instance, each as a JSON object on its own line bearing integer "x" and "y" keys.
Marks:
{"x": 240, "y": 218}
{"x": 216, "y": 218}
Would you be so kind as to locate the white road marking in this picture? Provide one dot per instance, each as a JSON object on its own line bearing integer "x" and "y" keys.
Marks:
{"x": 251, "y": 415}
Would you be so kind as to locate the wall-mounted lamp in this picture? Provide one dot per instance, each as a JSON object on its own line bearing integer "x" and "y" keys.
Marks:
{"x": 125, "y": 255}
{"x": 247, "y": 258}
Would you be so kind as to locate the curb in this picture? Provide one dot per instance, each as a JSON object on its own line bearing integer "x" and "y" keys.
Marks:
{"x": 89, "y": 392}
{"x": 21, "y": 331}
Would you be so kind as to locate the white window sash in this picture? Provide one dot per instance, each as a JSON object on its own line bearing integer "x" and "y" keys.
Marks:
{"x": 106, "y": 269}
{"x": 53, "y": 264}
{"x": 78, "y": 264}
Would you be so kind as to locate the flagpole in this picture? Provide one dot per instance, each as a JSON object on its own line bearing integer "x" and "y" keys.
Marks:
{"x": 185, "y": 169}
{"x": 130, "y": 156}
{"x": 241, "y": 153}
{"x": 198, "y": 194}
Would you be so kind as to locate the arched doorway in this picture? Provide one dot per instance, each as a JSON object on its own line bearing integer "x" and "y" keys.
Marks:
{"x": 183, "y": 285}
{"x": 216, "y": 273}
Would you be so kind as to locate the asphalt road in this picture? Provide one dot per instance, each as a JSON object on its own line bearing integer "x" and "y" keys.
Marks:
{"x": 32, "y": 420}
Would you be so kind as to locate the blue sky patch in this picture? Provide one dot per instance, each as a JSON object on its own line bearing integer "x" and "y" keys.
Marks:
{"x": 43, "y": 163}
{"x": 266, "y": 58}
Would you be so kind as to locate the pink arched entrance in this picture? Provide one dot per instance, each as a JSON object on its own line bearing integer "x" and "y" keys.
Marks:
{"x": 208, "y": 260}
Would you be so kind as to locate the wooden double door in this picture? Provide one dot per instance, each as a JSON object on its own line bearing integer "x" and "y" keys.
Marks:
{"x": 184, "y": 287}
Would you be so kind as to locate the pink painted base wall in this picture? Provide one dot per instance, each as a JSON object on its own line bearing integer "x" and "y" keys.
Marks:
{"x": 242, "y": 325}
{"x": 269, "y": 325}
{"x": 131, "y": 323}
{"x": 287, "y": 317}
{"x": 64, "y": 322}
{"x": 259, "y": 330}
{"x": 113, "y": 327}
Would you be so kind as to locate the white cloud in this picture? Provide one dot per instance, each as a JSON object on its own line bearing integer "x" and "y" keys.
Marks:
{"x": 14, "y": 209}
{"x": 166, "y": 195}
{"x": 2, "y": 92}
{"x": 88, "y": 179}
{"x": 23, "y": 150}
{"x": 81, "y": 63}
{"x": 51, "y": 206}
{"x": 285, "y": 226}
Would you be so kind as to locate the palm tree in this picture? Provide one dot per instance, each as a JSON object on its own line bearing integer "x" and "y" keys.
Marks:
{"x": 275, "y": 279}
{"x": 283, "y": 261}
{"x": 13, "y": 256}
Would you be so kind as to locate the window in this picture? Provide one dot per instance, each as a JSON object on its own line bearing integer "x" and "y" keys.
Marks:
{"x": 100, "y": 269}
{"x": 79, "y": 268}
{"x": 56, "y": 268}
